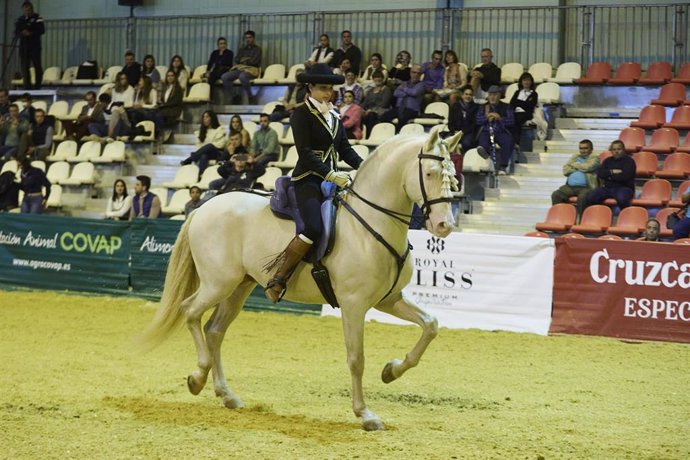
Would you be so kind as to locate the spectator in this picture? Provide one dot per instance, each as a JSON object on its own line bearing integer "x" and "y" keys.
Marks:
{"x": 485, "y": 75}
{"x": 524, "y": 102}
{"x": 145, "y": 102}
{"x": 120, "y": 204}
{"x": 376, "y": 102}
{"x": 236, "y": 126}
{"x": 294, "y": 96}
{"x": 581, "y": 173}
{"x": 349, "y": 51}
{"x": 651, "y": 231}
{"x": 240, "y": 172}
{"x": 4, "y": 102}
{"x": 194, "y": 200}
{"x": 400, "y": 72}
{"x": 121, "y": 100}
{"x": 177, "y": 66}
{"x": 247, "y": 64}
{"x": 28, "y": 111}
{"x": 454, "y": 77}
{"x": 462, "y": 116}
{"x": 234, "y": 148}
{"x": 265, "y": 147}
{"x": 618, "y": 175}
{"x": 144, "y": 204}
{"x": 41, "y": 136}
{"x": 682, "y": 228}
{"x": 210, "y": 142}
{"x": 33, "y": 180}
{"x": 322, "y": 54}
{"x": 132, "y": 69}
{"x": 97, "y": 128}
{"x": 28, "y": 29}
{"x": 408, "y": 99}
{"x": 219, "y": 62}
{"x": 148, "y": 69}
{"x": 170, "y": 108}
{"x": 350, "y": 85}
{"x": 234, "y": 145}
{"x": 495, "y": 121}
{"x": 92, "y": 112}
{"x": 433, "y": 72}
{"x": 12, "y": 129}
{"x": 343, "y": 68}
{"x": 351, "y": 116}
{"x": 375, "y": 65}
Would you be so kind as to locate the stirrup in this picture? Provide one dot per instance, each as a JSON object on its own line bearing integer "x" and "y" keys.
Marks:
{"x": 271, "y": 292}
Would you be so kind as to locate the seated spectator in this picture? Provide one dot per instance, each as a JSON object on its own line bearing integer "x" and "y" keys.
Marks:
{"x": 618, "y": 175}
{"x": 40, "y": 136}
{"x": 32, "y": 182}
{"x": 210, "y": 142}
{"x": 348, "y": 51}
{"x": 12, "y": 129}
{"x": 322, "y": 54}
{"x": 219, "y": 62}
{"x": 234, "y": 148}
{"x": 98, "y": 128}
{"x": 177, "y": 66}
{"x": 433, "y": 72}
{"x": 375, "y": 65}
{"x": 343, "y": 68}
{"x": 408, "y": 96}
{"x": 9, "y": 191}
{"x": 234, "y": 145}
{"x": 240, "y": 172}
{"x": 400, "y": 72}
{"x": 350, "y": 85}
{"x": 376, "y": 101}
{"x": 28, "y": 111}
{"x": 351, "y": 116}
{"x": 265, "y": 147}
{"x": 132, "y": 69}
{"x": 495, "y": 121}
{"x": 170, "y": 107}
{"x": 145, "y": 102}
{"x": 120, "y": 203}
{"x": 148, "y": 69}
{"x": 524, "y": 102}
{"x": 462, "y": 116}
{"x": 581, "y": 171}
{"x": 122, "y": 98}
{"x": 92, "y": 112}
{"x": 294, "y": 96}
{"x": 144, "y": 204}
{"x": 4, "y": 102}
{"x": 247, "y": 66}
{"x": 485, "y": 75}
{"x": 651, "y": 231}
{"x": 236, "y": 126}
{"x": 194, "y": 200}
{"x": 454, "y": 77}
{"x": 682, "y": 228}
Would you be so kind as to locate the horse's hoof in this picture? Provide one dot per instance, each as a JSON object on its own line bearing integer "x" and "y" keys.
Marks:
{"x": 194, "y": 386}
{"x": 373, "y": 424}
{"x": 387, "y": 373}
{"x": 233, "y": 403}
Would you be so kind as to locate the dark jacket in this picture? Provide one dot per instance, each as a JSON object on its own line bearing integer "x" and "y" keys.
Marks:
{"x": 97, "y": 115}
{"x": 239, "y": 179}
{"x": 33, "y": 180}
{"x": 353, "y": 53}
{"x": 219, "y": 63}
{"x": 528, "y": 105}
{"x": 133, "y": 73}
{"x": 492, "y": 75}
{"x": 503, "y": 109}
{"x": 172, "y": 108}
{"x": 626, "y": 178}
{"x": 318, "y": 146}
{"x": 463, "y": 118}
{"x": 33, "y": 24}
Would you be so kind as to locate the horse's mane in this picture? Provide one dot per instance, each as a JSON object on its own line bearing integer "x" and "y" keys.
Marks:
{"x": 390, "y": 144}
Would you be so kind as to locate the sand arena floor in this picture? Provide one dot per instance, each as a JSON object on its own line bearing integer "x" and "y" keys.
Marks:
{"x": 71, "y": 387}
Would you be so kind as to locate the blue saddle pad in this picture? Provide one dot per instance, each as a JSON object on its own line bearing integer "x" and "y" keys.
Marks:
{"x": 284, "y": 205}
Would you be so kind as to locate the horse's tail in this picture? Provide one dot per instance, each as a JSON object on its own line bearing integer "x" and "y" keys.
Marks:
{"x": 181, "y": 281}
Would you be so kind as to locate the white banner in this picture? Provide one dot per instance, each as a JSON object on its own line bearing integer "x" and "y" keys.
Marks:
{"x": 490, "y": 282}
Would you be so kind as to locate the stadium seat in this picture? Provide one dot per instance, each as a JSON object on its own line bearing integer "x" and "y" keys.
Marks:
{"x": 278, "y": 127}
{"x": 662, "y": 217}
{"x": 671, "y": 95}
{"x": 210, "y": 174}
{"x": 87, "y": 152}
{"x": 268, "y": 180}
{"x": 412, "y": 128}
{"x": 683, "y": 188}
{"x": 511, "y": 71}
{"x": 573, "y": 235}
{"x": 658, "y": 73}
{"x": 686, "y": 145}
{"x": 272, "y": 75}
{"x": 537, "y": 234}
{"x": 162, "y": 71}
{"x": 64, "y": 151}
{"x": 178, "y": 217}
{"x": 595, "y": 219}
{"x": 559, "y": 218}
{"x": 59, "y": 109}
{"x": 51, "y": 75}
{"x": 43, "y": 105}
{"x": 82, "y": 174}
{"x": 11, "y": 165}
{"x": 549, "y": 93}
{"x": 197, "y": 76}
{"x": 610, "y": 237}
{"x": 250, "y": 126}
{"x": 74, "y": 111}
{"x": 20, "y": 81}
{"x": 105, "y": 87}
{"x": 473, "y": 162}
{"x": 683, "y": 75}
{"x": 185, "y": 177}
{"x": 597, "y": 74}
{"x": 541, "y": 71}
{"x": 267, "y": 108}
{"x": 68, "y": 75}
{"x": 567, "y": 73}
{"x": 380, "y": 133}
{"x": 162, "y": 194}
{"x": 664, "y": 140}
{"x": 510, "y": 90}
{"x": 55, "y": 198}
{"x": 149, "y": 126}
{"x": 435, "y": 108}
{"x": 57, "y": 172}
{"x": 362, "y": 151}
{"x": 633, "y": 138}
{"x": 676, "y": 166}
{"x": 288, "y": 138}
{"x": 113, "y": 152}
{"x": 682, "y": 241}
{"x": 651, "y": 117}
{"x": 290, "y": 160}
{"x": 604, "y": 155}
{"x": 627, "y": 73}
{"x": 59, "y": 135}
{"x": 177, "y": 202}
{"x": 292, "y": 75}
{"x": 646, "y": 164}
{"x": 199, "y": 92}
{"x": 631, "y": 221}
{"x": 680, "y": 118}
{"x": 655, "y": 194}
{"x": 110, "y": 75}
{"x": 39, "y": 164}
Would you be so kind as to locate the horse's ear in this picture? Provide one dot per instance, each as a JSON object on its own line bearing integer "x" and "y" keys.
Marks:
{"x": 431, "y": 142}
{"x": 453, "y": 142}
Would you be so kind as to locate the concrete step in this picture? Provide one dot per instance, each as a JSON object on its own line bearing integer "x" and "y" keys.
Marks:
{"x": 593, "y": 123}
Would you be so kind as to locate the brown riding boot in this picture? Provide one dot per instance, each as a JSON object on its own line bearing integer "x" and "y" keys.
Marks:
{"x": 289, "y": 259}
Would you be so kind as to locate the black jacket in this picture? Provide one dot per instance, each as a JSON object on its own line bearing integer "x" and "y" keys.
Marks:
{"x": 528, "y": 105}
{"x": 33, "y": 24}
{"x": 626, "y": 178}
{"x": 172, "y": 108}
{"x": 463, "y": 118}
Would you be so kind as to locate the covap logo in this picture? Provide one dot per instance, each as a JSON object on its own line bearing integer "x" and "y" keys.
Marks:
{"x": 435, "y": 245}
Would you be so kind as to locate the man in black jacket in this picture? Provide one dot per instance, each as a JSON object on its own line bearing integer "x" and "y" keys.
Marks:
{"x": 28, "y": 29}
{"x": 618, "y": 174}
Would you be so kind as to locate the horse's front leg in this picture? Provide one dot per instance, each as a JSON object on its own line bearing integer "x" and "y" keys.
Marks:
{"x": 405, "y": 308}
{"x": 353, "y": 328}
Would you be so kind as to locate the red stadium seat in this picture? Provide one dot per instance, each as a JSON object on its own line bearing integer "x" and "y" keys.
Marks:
{"x": 604, "y": 155}
{"x": 658, "y": 73}
{"x": 655, "y": 194}
{"x": 572, "y": 235}
{"x": 662, "y": 216}
{"x": 686, "y": 145}
{"x": 537, "y": 234}
{"x": 664, "y": 140}
{"x": 651, "y": 117}
{"x": 610, "y": 237}
{"x": 676, "y": 166}
{"x": 631, "y": 221}
{"x": 626, "y": 74}
{"x": 597, "y": 74}
{"x": 683, "y": 75}
{"x": 671, "y": 95}
{"x": 683, "y": 188}
{"x": 682, "y": 241}
{"x": 633, "y": 138}
{"x": 680, "y": 118}
{"x": 646, "y": 164}
{"x": 595, "y": 219}
{"x": 559, "y": 218}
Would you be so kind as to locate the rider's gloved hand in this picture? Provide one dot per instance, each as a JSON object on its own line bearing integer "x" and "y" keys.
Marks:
{"x": 340, "y": 178}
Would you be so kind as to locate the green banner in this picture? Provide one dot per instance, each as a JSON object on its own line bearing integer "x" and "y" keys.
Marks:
{"x": 51, "y": 252}
{"x": 151, "y": 244}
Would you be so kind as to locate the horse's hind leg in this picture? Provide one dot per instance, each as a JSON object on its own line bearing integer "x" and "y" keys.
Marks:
{"x": 404, "y": 308}
{"x": 215, "y": 329}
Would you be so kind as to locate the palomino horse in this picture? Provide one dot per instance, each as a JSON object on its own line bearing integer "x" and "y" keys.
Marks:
{"x": 218, "y": 272}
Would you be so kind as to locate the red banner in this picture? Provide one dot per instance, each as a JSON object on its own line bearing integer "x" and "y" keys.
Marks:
{"x": 627, "y": 289}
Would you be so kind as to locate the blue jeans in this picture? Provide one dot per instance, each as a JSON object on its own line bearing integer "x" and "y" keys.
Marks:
{"x": 32, "y": 204}
{"x": 205, "y": 153}
{"x": 623, "y": 196}
{"x": 245, "y": 78}
{"x": 101, "y": 130}
{"x": 8, "y": 151}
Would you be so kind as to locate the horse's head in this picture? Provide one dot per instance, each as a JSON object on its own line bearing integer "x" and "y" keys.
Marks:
{"x": 434, "y": 183}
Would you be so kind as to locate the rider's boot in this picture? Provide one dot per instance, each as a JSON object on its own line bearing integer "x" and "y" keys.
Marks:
{"x": 292, "y": 255}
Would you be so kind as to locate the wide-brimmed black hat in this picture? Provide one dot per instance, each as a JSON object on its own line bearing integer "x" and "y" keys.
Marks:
{"x": 320, "y": 74}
